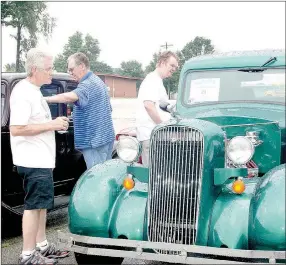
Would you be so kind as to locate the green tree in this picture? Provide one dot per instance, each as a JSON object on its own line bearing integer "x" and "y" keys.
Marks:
{"x": 131, "y": 68}
{"x": 30, "y": 20}
{"x": 89, "y": 46}
{"x": 12, "y": 67}
{"x": 102, "y": 67}
{"x": 196, "y": 47}
{"x": 152, "y": 65}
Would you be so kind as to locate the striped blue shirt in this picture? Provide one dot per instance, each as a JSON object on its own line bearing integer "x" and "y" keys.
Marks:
{"x": 93, "y": 126}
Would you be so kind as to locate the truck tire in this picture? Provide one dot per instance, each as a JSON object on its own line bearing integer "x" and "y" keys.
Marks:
{"x": 92, "y": 259}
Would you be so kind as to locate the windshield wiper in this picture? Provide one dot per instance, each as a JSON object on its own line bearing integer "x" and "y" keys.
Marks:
{"x": 251, "y": 70}
{"x": 260, "y": 69}
{"x": 272, "y": 59}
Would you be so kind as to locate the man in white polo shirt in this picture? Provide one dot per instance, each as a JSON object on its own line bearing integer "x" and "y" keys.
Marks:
{"x": 33, "y": 149}
{"x": 151, "y": 92}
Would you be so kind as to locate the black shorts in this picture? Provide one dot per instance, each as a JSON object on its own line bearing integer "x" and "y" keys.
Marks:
{"x": 38, "y": 187}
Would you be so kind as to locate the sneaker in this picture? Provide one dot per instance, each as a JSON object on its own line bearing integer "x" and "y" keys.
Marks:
{"x": 52, "y": 252}
{"x": 36, "y": 258}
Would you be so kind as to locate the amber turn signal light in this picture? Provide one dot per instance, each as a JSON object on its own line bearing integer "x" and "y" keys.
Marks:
{"x": 238, "y": 186}
{"x": 128, "y": 183}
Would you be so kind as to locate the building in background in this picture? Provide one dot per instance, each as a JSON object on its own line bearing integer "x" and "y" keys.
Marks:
{"x": 120, "y": 86}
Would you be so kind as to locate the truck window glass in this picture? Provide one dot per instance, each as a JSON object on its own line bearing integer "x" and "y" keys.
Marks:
{"x": 51, "y": 90}
{"x": 207, "y": 86}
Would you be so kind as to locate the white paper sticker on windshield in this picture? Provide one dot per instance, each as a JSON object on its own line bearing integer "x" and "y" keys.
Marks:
{"x": 204, "y": 90}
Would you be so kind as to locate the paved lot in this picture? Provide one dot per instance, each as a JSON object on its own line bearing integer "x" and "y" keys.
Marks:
{"x": 124, "y": 113}
{"x": 11, "y": 247}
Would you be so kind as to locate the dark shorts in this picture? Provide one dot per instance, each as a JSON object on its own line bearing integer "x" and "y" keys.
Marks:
{"x": 38, "y": 187}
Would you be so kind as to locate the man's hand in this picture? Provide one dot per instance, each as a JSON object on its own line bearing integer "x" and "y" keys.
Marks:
{"x": 60, "y": 124}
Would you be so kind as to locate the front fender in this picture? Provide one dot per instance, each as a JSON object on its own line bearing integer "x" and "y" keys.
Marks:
{"x": 128, "y": 218}
{"x": 93, "y": 197}
{"x": 267, "y": 212}
{"x": 230, "y": 216}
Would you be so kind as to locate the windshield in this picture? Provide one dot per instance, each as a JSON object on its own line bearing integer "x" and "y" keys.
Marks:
{"x": 215, "y": 86}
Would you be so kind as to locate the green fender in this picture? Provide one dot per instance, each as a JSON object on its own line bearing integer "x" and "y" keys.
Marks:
{"x": 93, "y": 198}
{"x": 100, "y": 206}
{"x": 267, "y": 212}
{"x": 230, "y": 215}
{"x": 128, "y": 216}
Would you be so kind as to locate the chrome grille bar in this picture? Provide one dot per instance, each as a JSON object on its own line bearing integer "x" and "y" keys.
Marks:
{"x": 176, "y": 155}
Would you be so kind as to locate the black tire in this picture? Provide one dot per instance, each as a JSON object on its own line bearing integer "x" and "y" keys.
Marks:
{"x": 92, "y": 259}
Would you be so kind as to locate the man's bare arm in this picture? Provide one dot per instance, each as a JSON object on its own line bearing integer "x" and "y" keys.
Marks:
{"x": 152, "y": 111}
{"x": 60, "y": 123}
{"x": 68, "y": 97}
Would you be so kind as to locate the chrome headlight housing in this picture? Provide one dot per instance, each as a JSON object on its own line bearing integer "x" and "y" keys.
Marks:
{"x": 128, "y": 149}
{"x": 240, "y": 150}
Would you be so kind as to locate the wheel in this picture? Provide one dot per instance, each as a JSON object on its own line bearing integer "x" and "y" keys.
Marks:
{"x": 91, "y": 259}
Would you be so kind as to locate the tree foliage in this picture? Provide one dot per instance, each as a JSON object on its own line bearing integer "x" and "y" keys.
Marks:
{"x": 12, "y": 67}
{"x": 87, "y": 45}
{"x": 132, "y": 69}
{"x": 30, "y": 19}
{"x": 102, "y": 67}
{"x": 198, "y": 46}
{"x": 152, "y": 65}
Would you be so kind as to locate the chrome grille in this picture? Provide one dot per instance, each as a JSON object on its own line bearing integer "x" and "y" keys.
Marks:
{"x": 176, "y": 156}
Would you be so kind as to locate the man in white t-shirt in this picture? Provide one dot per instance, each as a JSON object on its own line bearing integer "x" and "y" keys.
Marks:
{"x": 33, "y": 149}
{"x": 151, "y": 92}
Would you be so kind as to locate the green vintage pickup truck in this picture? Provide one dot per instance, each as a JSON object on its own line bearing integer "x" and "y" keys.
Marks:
{"x": 215, "y": 188}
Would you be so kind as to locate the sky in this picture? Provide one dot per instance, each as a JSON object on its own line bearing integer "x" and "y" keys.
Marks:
{"x": 136, "y": 30}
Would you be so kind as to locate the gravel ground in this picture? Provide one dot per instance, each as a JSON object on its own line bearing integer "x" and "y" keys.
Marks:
{"x": 11, "y": 247}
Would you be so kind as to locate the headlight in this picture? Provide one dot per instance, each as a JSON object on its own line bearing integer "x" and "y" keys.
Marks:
{"x": 240, "y": 150}
{"x": 128, "y": 148}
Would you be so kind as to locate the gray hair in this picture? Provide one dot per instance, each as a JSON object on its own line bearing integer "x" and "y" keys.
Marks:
{"x": 35, "y": 58}
{"x": 80, "y": 58}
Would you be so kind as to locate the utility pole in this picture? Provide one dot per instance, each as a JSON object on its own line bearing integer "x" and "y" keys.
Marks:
{"x": 166, "y": 45}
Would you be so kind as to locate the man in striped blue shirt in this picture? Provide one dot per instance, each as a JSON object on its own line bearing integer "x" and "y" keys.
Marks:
{"x": 93, "y": 127}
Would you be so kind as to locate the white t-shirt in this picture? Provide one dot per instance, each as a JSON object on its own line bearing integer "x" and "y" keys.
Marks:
{"x": 151, "y": 89}
{"x": 29, "y": 107}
